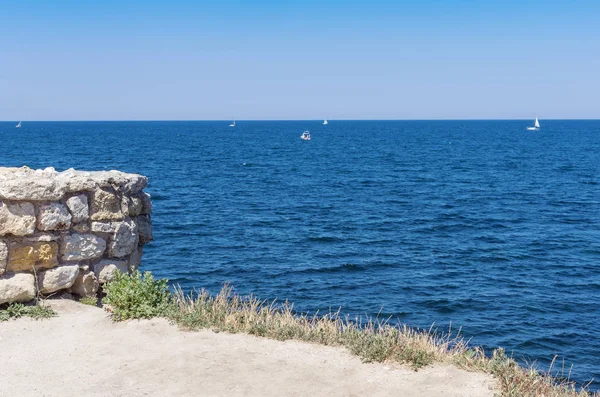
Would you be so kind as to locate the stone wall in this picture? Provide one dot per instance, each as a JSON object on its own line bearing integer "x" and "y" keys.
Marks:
{"x": 69, "y": 230}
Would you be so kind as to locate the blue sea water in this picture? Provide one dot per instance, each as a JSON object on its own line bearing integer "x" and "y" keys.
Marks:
{"x": 480, "y": 224}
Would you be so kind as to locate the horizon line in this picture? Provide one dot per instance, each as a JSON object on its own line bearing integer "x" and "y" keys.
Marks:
{"x": 284, "y": 120}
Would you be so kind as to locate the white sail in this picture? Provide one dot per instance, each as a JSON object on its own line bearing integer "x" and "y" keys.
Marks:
{"x": 325, "y": 122}
{"x": 537, "y": 123}
{"x": 19, "y": 125}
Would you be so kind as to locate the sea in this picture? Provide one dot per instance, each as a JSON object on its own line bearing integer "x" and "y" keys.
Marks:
{"x": 481, "y": 226}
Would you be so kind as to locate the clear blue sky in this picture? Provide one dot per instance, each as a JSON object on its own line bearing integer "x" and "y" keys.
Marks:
{"x": 128, "y": 60}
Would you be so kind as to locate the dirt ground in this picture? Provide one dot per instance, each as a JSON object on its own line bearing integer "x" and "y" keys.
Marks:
{"x": 83, "y": 353}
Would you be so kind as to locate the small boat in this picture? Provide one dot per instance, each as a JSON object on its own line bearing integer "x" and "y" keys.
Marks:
{"x": 305, "y": 136}
{"x": 232, "y": 123}
{"x": 536, "y": 126}
{"x": 18, "y": 125}
{"x": 325, "y": 122}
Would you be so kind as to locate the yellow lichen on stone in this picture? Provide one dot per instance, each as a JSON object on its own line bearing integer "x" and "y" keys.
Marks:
{"x": 41, "y": 255}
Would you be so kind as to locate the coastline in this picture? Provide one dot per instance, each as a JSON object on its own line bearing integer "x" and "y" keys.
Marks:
{"x": 146, "y": 325}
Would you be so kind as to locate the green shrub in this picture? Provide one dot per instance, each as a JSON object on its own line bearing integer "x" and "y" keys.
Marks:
{"x": 137, "y": 296}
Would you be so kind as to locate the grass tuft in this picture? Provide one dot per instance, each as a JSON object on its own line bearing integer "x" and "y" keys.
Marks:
{"x": 89, "y": 300}
{"x": 17, "y": 310}
{"x": 372, "y": 340}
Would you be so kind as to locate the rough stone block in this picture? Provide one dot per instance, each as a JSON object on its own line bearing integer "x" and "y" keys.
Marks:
{"x": 105, "y": 270}
{"x": 79, "y": 207}
{"x": 135, "y": 206}
{"x": 104, "y": 227}
{"x": 24, "y": 257}
{"x": 49, "y": 185}
{"x": 53, "y": 216}
{"x": 27, "y": 184}
{"x": 77, "y": 247}
{"x": 60, "y": 277}
{"x": 17, "y": 219}
{"x": 106, "y": 206}
{"x": 17, "y": 287}
{"x": 86, "y": 283}
{"x": 124, "y": 240}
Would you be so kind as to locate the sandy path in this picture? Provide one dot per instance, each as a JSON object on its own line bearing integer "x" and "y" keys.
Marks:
{"x": 82, "y": 353}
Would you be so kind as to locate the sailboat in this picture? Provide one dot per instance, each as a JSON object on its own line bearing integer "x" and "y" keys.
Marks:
{"x": 325, "y": 122}
{"x": 232, "y": 123}
{"x": 536, "y": 126}
{"x": 18, "y": 125}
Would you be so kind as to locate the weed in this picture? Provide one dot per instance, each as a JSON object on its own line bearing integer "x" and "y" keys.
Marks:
{"x": 89, "y": 300}
{"x": 17, "y": 310}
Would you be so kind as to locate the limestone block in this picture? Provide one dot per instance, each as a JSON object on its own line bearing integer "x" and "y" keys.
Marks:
{"x": 104, "y": 227}
{"x": 124, "y": 240}
{"x": 53, "y": 216}
{"x": 25, "y": 256}
{"x": 17, "y": 219}
{"x": 86, "y": 283}
{"x": 135, "y": 206}
{"x": 49, "y": 185}
{"x": 106, "y": 206}
{"x": 77, "y": 181}
{"x": 29, "y": 186}
{"x": 88, "y": 181}
{"x": 3, "y": 257}
{"x": 144, "y": 224}
{"x": 126, "y": 183}
{"x": 77, "y": 247}
{"x": 17, "y": 287}
{"x": 79, "y": 207}
{"x": 60, "y": 277}
{"x": 135, "y": 259}
{"x": 106, "y": 269}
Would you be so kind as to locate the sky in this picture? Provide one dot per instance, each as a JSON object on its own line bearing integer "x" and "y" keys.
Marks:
{"x": 277, "y": 60}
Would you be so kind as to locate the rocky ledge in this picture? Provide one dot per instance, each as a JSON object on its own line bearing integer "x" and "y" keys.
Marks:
{"x": 49, "y": 185}
{"x": 69, "y": 230}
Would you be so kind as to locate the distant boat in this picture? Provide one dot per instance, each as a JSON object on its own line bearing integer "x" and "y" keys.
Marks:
{"x": 325, "y": 122}
{"x": 18, "y": 125}
{"x": 305, "y": 136}
{"x": 536, "y": 126}
{"x": 232, "y": 123}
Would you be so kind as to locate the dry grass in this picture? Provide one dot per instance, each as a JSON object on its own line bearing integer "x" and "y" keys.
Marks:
{"x": 371, "y": 340}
